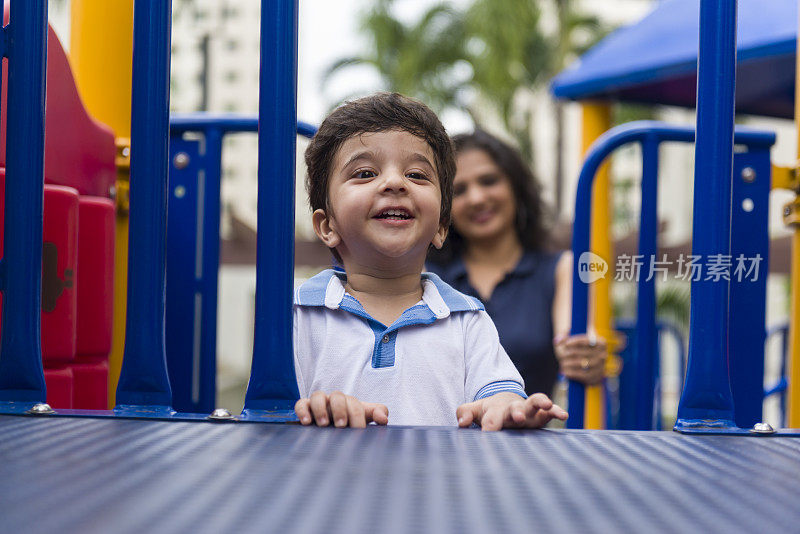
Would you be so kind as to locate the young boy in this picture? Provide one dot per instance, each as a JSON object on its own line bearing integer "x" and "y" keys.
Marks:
{"x": 397, "y": 342}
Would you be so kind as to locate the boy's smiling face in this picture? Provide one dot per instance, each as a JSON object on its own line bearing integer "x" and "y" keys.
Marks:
{"x": 384, "y": 201}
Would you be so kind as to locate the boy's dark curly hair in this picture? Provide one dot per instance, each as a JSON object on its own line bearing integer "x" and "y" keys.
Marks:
{"x": 378, "y": 113}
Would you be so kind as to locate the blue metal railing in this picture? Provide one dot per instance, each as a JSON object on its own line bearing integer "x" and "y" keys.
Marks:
{"x": 649, "y": 134}
{"x": 143, "y": 379}
{"x": 707, "y": 393}
{"x": 25, "y": 46}
{"x": 193, "y": 251}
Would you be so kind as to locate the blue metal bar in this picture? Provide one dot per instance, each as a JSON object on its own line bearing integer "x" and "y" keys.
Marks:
{"x": 225, "y": 123}
{"x": 707, "y": 393}
{"x": 208, "y": 281}
{"x": 273, "y": 385}
{"x": 3, "y": 41}
{"x": 647, "y": 338}
{"x": 143, "y": 379}
{"x": 604, "y": 145}
{"x": 21, "y": 374}
{"x": 748, "y": 283}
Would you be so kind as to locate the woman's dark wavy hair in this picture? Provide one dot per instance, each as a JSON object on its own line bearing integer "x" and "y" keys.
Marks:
{"x": 532, "y": 220}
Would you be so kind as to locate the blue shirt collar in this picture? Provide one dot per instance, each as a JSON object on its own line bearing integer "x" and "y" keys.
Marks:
{"x": 327, "y": 289}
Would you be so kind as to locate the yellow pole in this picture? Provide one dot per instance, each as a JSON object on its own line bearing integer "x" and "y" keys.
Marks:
{"x": 791, "y": 216}
{"x": 596, "y": 120}
{"x": 101, "y": 54}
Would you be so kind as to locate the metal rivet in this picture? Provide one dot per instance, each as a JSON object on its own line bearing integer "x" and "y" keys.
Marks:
{"x": 386, "y": 338}
{"x": 787, "y": 211}
{"x": 112, "y": 192}
{"x": 762, "y": 428}
{"x": 180, "y": 191}
{"x": 181, "y": 160}
{"x": 748, "y": 174}
{"x": 41, "y": 409}
{"x": 126, "y": 151}
{"x": 221, "y": 414}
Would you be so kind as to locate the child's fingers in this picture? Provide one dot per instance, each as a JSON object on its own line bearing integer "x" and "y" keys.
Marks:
{"x": 494, "y": 417}
{"x": 338, "y": 404}
{"x": 538, "y": 401}
{"x": 355, "y": 413}
{"x": 517, "y": 413}
{"x": 303, "y": 410}
{"x": 319, "y": 408}
{"x": 559, "y": 412}
{"x": 467, "y": 413}
{"x": 377, "y": 413}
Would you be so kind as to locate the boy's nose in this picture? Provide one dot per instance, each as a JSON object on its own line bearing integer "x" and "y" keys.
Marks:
{"x": 394, "y": 182}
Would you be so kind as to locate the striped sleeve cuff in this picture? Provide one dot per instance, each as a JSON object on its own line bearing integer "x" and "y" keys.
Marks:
{"x": 501, "y": 385}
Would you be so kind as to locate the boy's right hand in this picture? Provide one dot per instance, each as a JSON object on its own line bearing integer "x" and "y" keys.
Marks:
{"x": 343, "y": 410}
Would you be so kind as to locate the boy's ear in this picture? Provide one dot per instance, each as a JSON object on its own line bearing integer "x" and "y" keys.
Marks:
{"x": 441, "y": 235}
{"x": 324, "y": 229}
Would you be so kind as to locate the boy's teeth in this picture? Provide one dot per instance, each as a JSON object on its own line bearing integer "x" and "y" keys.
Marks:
{"x": 394, "y": 213}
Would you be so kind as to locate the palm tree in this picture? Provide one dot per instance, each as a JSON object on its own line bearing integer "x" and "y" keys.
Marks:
{"x": 418, "y": 60}
{"x": 508, "y": 54}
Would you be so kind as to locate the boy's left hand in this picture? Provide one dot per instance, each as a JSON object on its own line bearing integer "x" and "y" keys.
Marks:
{"x": 509, "y": 410}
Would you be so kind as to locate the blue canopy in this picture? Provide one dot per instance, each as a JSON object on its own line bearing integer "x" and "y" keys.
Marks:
{"x": 655, "y": 60}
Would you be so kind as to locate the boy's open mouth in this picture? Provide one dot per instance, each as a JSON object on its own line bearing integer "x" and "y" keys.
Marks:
{"x": 396, "y": 214}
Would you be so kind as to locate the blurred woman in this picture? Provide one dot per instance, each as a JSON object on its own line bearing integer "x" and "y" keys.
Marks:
{"x": 496, "y": 251}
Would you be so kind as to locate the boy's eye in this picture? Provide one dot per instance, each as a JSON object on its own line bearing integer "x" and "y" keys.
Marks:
{"x": 417, "y": 176}
{"x": 459, "y": 190}
{"x": 364, "y": 173}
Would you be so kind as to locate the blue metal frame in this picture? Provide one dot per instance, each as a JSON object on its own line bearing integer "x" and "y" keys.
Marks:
{"x": 273, "y": 385}
{"x": 650, "y": 134}
{"x": 191, "y": 286}
{"x": 193, "y": 215}
{"x": 748, "y": 306}
{"x": 25, "y": 45}
{"x": 707, "y": 400}
{"x": 143, "y": 379}
{"x": 645, "y": 362}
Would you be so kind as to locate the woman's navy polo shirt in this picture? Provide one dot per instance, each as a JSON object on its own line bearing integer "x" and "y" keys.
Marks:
{"x": 521, "y": 307}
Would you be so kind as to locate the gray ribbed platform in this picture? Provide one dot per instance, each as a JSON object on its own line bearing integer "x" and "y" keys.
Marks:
{"x": 101, "y": 475}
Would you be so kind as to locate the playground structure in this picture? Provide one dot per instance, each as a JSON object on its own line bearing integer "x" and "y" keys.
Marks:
{"x": 600, "y": 480}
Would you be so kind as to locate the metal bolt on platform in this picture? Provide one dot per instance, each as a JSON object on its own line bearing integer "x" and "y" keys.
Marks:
{"x": 748, "y": 174}
{"x": 41, "y": 409}
{"x": 221, "y": 414}
{"x": 762, "y": 428}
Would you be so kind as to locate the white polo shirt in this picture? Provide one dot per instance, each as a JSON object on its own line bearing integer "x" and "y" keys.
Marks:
{"x": 440, "y": 353}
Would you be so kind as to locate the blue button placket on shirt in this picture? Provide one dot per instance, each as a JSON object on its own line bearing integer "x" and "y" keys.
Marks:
{"x": 386, "y": 337}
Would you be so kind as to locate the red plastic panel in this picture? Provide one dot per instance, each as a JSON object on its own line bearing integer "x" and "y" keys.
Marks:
{"x": 59, "y": 273}
{"x": 2, "y": 217}
{"x": 79, "y": 151}
{"x": 96, "y": 224}
{"x": 90, "y": 390}
{"x": 59, "y": 382}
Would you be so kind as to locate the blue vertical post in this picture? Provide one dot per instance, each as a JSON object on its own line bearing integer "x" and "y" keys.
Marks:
{"x": 581, "y": 236}
{"x": 21, "y": 375}
{"x": 143, "y": 378}
{"x": 706, "y": 399}
{"x": 273, "y": 384}
{"x": 646, "y": 335}
{"x": 748, "y": 284}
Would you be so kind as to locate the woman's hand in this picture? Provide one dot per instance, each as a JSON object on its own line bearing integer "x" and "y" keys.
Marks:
{"x": 340, "y": 409}
{"x": 581, "y": 357}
